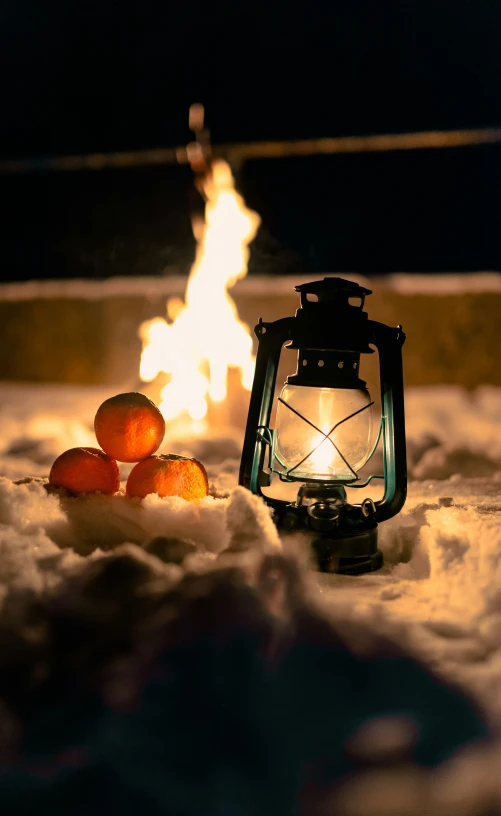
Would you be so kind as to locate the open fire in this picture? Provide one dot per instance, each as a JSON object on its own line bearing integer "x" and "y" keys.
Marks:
{"x": 203, "y": 337}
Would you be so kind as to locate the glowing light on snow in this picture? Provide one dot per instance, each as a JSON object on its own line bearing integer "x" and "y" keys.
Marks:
{"x": 204, "y": 336}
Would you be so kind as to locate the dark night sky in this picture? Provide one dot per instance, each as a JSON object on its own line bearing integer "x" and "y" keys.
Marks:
{"x": 105, "y": 75}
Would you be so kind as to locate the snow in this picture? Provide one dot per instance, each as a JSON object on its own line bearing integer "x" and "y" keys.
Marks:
{"x": 173, "y": 284}
{"x": 444, "y": 284}
{"x": 272, "y": 679}
{"x": 147, "y": 287}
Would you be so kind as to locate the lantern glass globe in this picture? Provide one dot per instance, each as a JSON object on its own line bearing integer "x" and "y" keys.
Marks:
{"x": 305, "y": 415}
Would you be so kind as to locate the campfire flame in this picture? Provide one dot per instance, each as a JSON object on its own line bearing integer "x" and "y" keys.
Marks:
{"x": 203, "y": 336}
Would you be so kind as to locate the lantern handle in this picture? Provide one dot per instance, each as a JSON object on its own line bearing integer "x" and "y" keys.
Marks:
{"x": 389, "y": 342}
{"x": 271, "y": 337}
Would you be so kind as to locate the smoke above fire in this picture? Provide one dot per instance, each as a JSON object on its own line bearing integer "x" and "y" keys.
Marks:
{"x": 203, "y": 337}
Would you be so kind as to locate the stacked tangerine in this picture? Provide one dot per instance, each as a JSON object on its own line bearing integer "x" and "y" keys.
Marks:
{"x": 129, "y": 428}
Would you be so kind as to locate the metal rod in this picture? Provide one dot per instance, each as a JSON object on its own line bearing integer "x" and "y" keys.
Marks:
{"x": 258, "y": 150}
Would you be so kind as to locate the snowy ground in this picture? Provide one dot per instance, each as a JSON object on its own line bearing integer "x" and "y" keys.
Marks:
{"x": 438, "y": 600}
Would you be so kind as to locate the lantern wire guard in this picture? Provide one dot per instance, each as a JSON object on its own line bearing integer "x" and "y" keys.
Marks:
{"x": 330, "y": 332}
{"x": 326, "y": 437}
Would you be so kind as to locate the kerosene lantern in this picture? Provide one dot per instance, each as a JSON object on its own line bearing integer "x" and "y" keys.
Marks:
{"x": 324, "y": 426}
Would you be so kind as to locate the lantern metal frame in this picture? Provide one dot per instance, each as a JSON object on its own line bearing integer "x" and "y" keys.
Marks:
{"x": 330, "y": 323}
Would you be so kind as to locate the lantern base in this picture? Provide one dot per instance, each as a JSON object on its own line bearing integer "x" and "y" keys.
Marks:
{"x": 348, "y": 554}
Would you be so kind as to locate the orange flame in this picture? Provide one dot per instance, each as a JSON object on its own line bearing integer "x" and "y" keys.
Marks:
{"x": 205, "y": 336}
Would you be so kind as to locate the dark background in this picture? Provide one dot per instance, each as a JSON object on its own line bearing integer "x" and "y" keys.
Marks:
{"x": 105, "y": 76}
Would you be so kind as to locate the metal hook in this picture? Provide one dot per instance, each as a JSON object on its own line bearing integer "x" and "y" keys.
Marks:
{"x": 368, "y": 508}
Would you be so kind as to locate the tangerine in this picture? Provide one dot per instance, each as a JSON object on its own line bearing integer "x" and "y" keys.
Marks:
{"x": 168, "y": 475}
{"x": 129, "y": 427}
{"x": 85, "y": 470}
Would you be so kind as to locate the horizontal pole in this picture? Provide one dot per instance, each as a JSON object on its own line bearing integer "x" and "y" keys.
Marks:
{"x": 258, "y": 150}
{"x": 365, "y": 144}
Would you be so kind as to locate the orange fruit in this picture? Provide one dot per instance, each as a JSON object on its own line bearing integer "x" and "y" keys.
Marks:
{"x": 169, "y": 475}
{"x": 85, "y": 470}
{"x": 129, "y": 427}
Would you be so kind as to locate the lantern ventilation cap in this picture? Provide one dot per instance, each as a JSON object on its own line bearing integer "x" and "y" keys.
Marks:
{"x": 333, "y": 291}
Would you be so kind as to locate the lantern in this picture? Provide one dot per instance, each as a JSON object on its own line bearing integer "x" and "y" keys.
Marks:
{"x": 325, "y": 425}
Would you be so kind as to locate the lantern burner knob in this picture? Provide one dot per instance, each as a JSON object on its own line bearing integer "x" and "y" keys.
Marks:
{"x": 324, "y": 515}
{"x": 324, "y": 504}
{"x": 314, "y": 492}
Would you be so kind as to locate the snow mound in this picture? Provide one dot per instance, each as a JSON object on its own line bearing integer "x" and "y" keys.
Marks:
{"x": 165, "y": 656}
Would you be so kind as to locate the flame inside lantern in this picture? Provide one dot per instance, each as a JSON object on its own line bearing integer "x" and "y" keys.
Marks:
{"x": 204, "y": 336}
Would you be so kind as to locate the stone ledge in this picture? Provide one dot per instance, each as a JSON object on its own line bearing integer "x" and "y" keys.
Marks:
{"x": 86, "y": 332}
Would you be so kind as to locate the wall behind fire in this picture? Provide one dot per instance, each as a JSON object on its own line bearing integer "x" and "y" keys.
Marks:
{"x": 87, "y": 333}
